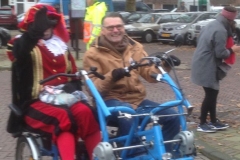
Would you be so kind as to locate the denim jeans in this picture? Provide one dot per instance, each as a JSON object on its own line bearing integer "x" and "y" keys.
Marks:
{"x": 170, "y": 125}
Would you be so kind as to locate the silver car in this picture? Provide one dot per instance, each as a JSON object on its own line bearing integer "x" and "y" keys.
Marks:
{"x": 146, "y": 28}
{"x": 195, "y": 29}
{"x": 168, "y": 31}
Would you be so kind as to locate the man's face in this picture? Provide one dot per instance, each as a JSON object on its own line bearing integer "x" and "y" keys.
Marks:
{"x": 48, "y": 34}
{"x": 113, "y": 29}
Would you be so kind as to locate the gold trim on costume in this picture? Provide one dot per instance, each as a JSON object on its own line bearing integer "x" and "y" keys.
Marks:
{"x": 37, "y": 71}
{"x": 68, "y": 64}
{"x": 9, "y": 44}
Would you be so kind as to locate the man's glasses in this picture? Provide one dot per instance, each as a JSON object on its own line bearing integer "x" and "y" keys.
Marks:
{"x": 111, "y": 28}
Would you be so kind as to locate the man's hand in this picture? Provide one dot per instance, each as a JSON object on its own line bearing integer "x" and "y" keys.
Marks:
{"x": 236, "y": 48}
{"x": 118, "y": 74}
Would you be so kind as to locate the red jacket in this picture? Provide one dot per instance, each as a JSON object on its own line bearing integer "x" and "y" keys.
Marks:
{"x": 231, "y": 59}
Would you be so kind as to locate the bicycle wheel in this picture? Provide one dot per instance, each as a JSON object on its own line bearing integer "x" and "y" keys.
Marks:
{"x": 24, "y": 151}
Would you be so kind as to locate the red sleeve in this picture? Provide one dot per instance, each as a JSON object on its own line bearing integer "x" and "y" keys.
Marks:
{"x": 9, "y": 51}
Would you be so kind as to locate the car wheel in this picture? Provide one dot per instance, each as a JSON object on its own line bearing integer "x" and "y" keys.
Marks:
{"x": 148, "y": 37}
{"x": 195, "y": 42}
{"x": 188, "y": 39}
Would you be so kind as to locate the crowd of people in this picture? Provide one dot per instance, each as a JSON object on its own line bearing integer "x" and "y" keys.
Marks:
{"x": 41, "y": 51}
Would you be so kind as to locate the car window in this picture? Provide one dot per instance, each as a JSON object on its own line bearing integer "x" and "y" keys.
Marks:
{"x": 187, "y": 18}
{"x": 5, "y": 12}
{"x": 203, "y": 17}
{"x": 165, "y": 18}
{"x": 125, "y": 15}
{"x": 175, "y": 17}
{"x": 141, "y": 7}
{"x": 134, "y": 16}
{"x": 149, "y": 18}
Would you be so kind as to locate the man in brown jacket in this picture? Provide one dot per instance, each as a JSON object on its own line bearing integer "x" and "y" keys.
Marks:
{"x": 110, "y": 53}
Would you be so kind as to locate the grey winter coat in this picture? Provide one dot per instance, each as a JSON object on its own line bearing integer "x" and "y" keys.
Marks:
{"x": 210, "y": 52}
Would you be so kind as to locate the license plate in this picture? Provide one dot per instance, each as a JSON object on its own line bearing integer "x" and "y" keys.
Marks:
{"x": 165, "y": 35}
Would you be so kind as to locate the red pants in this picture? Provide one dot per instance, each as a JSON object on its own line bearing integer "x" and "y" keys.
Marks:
{"x": 50, "y": 120}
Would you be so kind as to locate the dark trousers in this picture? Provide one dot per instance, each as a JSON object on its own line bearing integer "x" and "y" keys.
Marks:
{"x": 209, "y": 104}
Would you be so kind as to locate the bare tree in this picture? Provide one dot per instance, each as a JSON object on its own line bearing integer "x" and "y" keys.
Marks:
{"x": 130, "y": 5}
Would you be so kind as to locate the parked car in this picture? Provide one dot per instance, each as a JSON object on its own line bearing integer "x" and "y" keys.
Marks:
{"x": 5, "y": 36}
{"x": 195, "y": 29}
{"x": 147, "y": 27}
{"x": 168, "y": 31}
{"x": 134, "y": 16}
{"x": 7, "y": 17}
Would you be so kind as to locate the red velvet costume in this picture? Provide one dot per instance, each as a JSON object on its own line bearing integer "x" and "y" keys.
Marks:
{"x": 32, "y": 62}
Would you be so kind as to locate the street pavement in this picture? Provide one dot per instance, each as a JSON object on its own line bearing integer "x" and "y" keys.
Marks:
{"x": 222, "y": 145}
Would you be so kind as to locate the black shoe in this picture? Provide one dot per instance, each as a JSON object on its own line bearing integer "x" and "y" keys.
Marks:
{"x": 205, "y": 128}
{"x": 218, "y": 120}
{"x": 218, "y": 125}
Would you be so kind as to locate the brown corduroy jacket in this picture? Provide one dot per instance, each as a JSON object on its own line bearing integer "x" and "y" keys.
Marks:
{"x": 128, "y": 89}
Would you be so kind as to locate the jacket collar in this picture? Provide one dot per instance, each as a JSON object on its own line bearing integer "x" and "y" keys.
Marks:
{"x": 98, "y": 44}
{"x": 224, "y": 21}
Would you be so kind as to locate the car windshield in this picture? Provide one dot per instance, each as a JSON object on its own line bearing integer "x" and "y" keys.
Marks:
{"x": 149, "y": 18}
{"x": 125, "y": 15}
{"x": 187, "y": 18}
{"x": 5, "y": 12}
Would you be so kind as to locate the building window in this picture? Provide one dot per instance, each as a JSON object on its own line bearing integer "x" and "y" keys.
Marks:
{"x": 150, "y": 5}
{"x": 20, "y": 8}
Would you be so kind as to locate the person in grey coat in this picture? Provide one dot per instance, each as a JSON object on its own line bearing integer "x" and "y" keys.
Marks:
{"x": 209, "y": 54}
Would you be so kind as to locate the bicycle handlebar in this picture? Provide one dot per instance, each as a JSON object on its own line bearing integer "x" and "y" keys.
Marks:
{"x": 98, "y": 75}
{"x": 56, "y": 75}
{"x": 93, "y": 71}
{"x": 135, "y": 66}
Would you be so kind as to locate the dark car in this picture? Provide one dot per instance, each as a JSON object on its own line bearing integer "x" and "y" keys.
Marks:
{"x": 7, "y": 17}
{"x": 5, "y": 36}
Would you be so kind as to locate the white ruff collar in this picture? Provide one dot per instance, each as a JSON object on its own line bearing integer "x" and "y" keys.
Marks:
{"x": 55, "y": 45}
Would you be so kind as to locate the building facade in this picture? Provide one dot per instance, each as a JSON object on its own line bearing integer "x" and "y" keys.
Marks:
{"x": 3, "y": 2}
{"x": 21, "y": 6}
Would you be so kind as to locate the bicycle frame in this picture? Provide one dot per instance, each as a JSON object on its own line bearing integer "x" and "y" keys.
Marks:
{"x": 152, "y": 139}
{"x": 180, "y": 100}
{"x": 153, "y": 142}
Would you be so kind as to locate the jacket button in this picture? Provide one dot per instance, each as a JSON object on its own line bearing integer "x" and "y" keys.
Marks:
{"x": 59, "y": 78}
{"x": 54, "y": 70}
{"x": 54, "y": 60}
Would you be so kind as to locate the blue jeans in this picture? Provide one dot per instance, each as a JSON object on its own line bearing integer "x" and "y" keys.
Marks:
{"x": 170, "y": 125}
